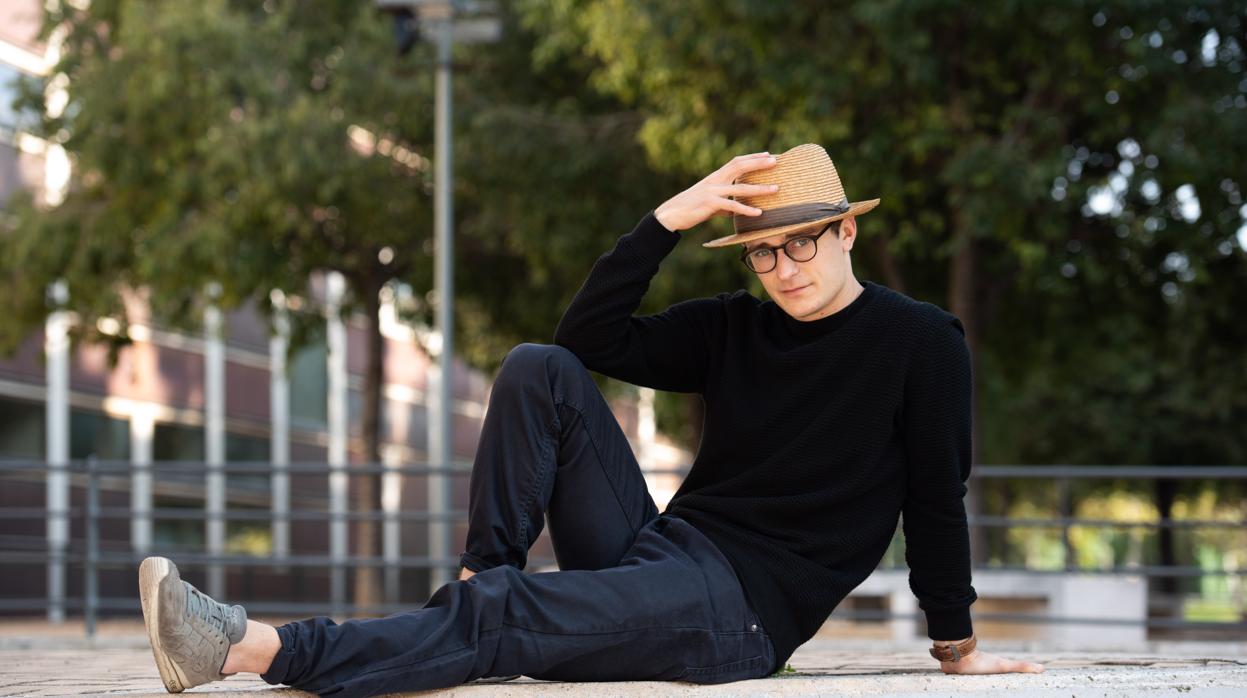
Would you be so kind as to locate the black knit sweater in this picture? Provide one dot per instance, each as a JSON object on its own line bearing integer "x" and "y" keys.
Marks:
{"x": 817, "y": 435}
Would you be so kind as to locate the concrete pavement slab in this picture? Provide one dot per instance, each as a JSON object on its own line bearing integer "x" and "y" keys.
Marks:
{"x": 121, "y": 664}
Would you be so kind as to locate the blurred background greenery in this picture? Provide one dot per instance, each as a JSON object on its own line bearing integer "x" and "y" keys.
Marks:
{"x": 1065, "y": 177}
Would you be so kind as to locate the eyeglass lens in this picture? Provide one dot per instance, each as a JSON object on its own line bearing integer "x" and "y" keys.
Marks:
{"x": 799, "y": 249}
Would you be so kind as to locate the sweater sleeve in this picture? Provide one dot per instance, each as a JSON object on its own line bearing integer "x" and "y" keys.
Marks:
{"x": 937, "y": 428}
{"x": 667, "y": 350}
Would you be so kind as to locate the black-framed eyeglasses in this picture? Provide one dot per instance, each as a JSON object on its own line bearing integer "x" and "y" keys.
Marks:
{"x": 802, "y": 248}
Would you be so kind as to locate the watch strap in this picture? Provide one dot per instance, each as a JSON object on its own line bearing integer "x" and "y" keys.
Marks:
{"x": 954, "y": 653}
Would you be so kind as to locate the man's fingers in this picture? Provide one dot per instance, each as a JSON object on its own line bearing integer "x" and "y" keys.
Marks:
{"x": 749, "y": 165}
{"x": 754, "y": 160}
{"x": 739, "y": 165}
{"x": 739, "y": 159}
{"x": 735, "y": 206}
{"x": 745, "y": 189}
{"x": 710, "y": 196}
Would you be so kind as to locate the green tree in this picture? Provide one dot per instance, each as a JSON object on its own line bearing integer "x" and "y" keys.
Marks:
{"x": 1033, "y": 161}
{"x": 254, "y": 147}
{"x": 549, "y": 173}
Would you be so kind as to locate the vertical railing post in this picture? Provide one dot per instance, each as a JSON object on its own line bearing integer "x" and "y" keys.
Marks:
{"x": 142, "y": 436}
{"x": 214, "y": 439}
{"x": 335, "y": 333}
{"x": 56, "y": 351}
{"x": 279, "y": 418}
{"x": 391, "y": 531}
{"x": 90, "y": 568}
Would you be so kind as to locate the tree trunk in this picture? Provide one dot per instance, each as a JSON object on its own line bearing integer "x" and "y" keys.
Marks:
{"x": 1166, "y": 492}
{"x": 1000, "y": 536}
{"x": 368, "y": 487}
{"x": 881, "y": 248}
{"x": 963, "y": 302}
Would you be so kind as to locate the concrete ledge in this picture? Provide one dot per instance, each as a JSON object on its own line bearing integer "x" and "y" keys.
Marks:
{"x": 821, "y": 667}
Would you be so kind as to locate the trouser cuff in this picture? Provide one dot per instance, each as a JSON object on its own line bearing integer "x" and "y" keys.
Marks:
{"x": 473, "y": 562}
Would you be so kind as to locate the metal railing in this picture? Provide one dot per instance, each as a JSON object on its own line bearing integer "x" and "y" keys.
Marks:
{"x": 92, "y": 554}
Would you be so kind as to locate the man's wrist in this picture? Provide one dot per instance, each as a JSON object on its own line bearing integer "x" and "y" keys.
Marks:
{"x": 660, "y": 218}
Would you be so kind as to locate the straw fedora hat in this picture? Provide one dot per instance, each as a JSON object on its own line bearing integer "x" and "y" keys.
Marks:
{"x": 809, "y": 193}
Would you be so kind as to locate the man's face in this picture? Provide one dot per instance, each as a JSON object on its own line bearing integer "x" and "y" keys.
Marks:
{"x": 810, "y": 290}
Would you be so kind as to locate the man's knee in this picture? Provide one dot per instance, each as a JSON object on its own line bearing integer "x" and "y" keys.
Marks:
{"x": 531, "y": 361}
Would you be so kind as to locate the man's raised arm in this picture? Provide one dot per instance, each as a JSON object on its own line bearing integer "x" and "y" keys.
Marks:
{"x": 667, "y": 350}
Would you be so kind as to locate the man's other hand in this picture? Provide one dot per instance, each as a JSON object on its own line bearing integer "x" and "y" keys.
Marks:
{"x": 709, "y": 197}
{"x": 980, "y": 662}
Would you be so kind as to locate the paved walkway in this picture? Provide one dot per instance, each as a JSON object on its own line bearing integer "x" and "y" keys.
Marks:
{"x": 118, "y": 662}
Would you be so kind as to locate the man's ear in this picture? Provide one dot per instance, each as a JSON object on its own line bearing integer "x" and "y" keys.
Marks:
{"x": 848, "y": 232}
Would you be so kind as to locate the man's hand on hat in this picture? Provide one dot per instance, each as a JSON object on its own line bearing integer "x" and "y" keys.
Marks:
{"x": 709, "y": 197}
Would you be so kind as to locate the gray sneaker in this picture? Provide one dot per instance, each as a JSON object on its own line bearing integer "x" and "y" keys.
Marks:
{"x": 189, "y": 632}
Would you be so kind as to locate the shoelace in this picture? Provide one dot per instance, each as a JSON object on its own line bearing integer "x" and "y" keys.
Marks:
{"x": 206, "y": 609}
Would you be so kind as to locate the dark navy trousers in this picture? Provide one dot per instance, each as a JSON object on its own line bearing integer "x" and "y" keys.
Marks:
{"x": 638, "y": 595}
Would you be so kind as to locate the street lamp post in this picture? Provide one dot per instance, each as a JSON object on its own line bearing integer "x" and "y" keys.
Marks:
{"x": 436, "y": 21}
{"x": 441, "y": 449}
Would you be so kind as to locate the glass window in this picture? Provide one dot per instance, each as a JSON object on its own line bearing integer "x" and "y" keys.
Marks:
{"x": 178, "y": 534}
{"x": 245, "y": 448}
{"x": 248, "y": 492}
{"x": 247, "y": 486}
{"x": 96, "y": 434}
{"x": 10, "y": 119}
{"x": 178, "y": 442}
{"x": 22, "y": 429}
{"x": 181, "y": 488}
{"x": 309, "y": 385}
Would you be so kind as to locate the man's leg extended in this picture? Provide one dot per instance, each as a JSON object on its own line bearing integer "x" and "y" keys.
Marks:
{"x": 671, "y": 609}
{"x": 194, "y": 639}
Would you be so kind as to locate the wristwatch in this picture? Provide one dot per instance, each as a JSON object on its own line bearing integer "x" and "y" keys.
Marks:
{"x": 954, "y": 653}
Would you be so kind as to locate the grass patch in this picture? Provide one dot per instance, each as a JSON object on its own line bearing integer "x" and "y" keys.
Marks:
{"x": 1211, "y": 610}
{"x": 786, "y": 670}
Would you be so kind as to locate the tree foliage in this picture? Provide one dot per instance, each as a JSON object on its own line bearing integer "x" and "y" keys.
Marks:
{"x": 1064, "y": 177}
{"x": 210, "y": 144}
{"x": 1037, "y": 165}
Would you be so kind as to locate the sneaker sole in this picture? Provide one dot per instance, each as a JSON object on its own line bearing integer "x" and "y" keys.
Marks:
{"x": 152, "y": 572}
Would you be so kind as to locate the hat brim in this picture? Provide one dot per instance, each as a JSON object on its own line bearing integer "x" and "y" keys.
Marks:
{"x": 856, "y": 208}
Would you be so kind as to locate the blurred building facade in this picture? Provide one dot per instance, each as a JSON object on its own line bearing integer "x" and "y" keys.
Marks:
{"x": 26, "y": 162}
{"x": 232, "y": 394}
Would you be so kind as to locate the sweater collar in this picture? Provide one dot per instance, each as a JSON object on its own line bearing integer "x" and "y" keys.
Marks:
{"x": 824, "y": 325}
